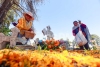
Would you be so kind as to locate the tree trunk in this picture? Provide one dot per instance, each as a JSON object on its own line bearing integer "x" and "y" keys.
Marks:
{"x": 6, "y": 5}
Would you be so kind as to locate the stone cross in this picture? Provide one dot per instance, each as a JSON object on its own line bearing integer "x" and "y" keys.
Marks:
{"x": 48, "y": 33}
{"x": 12, "y": 39}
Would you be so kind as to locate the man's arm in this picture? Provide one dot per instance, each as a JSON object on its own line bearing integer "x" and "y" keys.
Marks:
{"x": 75, "y": 31}
{"x": 83, "y": 28}
{"x": 83, "y": 25}
{"x": 86, "y": 30}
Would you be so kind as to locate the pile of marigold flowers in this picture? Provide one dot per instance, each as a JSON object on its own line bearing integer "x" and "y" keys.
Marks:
{"x": 94, "y": 53}
{"x": 44, "y": 58}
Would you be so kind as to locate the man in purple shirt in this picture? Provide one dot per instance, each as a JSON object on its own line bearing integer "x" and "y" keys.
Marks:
{"x": 83, "y": 29}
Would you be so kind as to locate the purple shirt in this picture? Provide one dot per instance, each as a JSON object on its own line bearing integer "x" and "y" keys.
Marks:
{"x": 82, "y": 26}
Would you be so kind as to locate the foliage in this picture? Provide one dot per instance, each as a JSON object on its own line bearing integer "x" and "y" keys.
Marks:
{"x": 8, "y": 19}
{"x": 96, "y": 38}
{"x": 18, "y": 7}
{"x": 5, "y": 31}
{"x": 94, "y": 48}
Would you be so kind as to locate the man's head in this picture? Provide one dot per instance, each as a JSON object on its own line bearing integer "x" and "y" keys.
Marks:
{"x": 28, "y": 16}
{"x": 75, "y": 23}
{"x": 79, "y": 22}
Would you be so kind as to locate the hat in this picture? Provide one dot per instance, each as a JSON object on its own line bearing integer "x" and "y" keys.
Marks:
{"x": 30, "y": 14}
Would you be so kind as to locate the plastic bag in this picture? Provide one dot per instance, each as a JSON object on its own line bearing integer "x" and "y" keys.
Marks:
{"x": 22, "y": 40}
{"x": 80, "y": 39}
{"x": 29, "y": 42}
{"x": 91, "y": 46}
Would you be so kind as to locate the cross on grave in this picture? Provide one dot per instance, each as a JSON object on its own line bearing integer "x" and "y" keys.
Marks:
{"x": 12, "y": 39}
{"x": 48, "y": 33}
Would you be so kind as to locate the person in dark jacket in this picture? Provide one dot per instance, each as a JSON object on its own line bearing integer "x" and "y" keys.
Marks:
{"x": 86, "y": 33}
{"x": 76, "y": 27}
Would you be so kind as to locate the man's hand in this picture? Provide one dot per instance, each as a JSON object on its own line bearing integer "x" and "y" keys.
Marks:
{"x": 14, "y": 23}
{"x": 32, "y": 32}
{"x": 84, "y": 34}
{"x": 73, "y": 34}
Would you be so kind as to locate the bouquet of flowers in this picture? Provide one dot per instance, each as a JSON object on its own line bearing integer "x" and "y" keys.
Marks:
{"x": 52, "y": 44}
{"x": 49, "y": 44}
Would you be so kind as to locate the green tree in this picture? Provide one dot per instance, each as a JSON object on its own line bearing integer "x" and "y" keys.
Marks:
{"x": 17, "y": 6}
{"x": 4, "y": 28}
{"x": 96, "y": 38}
{"x": 61, "y": 39}
{"x": 8, "y": 19}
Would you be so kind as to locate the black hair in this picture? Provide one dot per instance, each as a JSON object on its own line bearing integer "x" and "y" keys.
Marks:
{"x": 74, "y": 21}
{"x": 79, "y": 20}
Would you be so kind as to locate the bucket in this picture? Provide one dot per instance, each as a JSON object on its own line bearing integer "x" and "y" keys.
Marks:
{"x": 29, "y": 35}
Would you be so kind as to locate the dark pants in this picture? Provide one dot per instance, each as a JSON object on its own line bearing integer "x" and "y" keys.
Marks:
{"x": 86, "y": 46}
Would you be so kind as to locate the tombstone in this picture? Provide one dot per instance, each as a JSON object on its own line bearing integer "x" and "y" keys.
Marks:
{"x": 36, "y": 43}
{"x": 2, "y": 44}
{"x": 25, "y": 47}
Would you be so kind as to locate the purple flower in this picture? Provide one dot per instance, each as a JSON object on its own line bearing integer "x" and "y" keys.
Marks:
{"x": 61, "y": 41}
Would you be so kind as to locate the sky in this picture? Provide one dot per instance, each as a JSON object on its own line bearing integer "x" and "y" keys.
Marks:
{"x": 60, "y": 14}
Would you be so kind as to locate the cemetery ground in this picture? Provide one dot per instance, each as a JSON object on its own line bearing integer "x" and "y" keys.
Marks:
{"x": 47, "y": 53}
{"x": 50, "y": 53}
